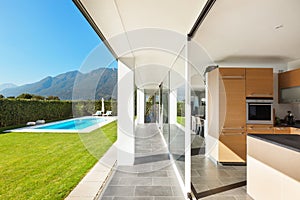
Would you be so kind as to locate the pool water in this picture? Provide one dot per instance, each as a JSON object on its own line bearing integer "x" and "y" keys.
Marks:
{"x": 74, "y": 124}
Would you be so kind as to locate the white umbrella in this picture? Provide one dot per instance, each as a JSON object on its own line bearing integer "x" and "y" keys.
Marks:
{"x": 102, "y": 107}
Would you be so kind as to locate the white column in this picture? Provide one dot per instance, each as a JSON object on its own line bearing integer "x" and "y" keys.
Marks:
{"x": 173, "y": 106}
{"x": 140, "y": 106}
{"x": 187, "y": 122}
{"x": 125, "y": 142}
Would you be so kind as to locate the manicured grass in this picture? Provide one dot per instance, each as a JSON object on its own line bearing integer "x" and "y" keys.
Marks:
{"x": 181, "y": 120}
{"x": 49, "y": 165}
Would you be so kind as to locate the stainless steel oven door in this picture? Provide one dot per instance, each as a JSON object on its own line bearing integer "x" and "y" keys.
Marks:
{"x": 259, "y": 112}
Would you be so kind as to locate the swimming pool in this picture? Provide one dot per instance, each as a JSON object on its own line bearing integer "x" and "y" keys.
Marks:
{"x": 81, "y": 125}
{"x": 74, "y": 124}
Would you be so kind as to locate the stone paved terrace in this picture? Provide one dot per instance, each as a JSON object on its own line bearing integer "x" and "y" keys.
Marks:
{"x": 151, "y": 177}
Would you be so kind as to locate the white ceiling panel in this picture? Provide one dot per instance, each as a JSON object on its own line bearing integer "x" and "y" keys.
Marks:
{"x": 252, "y": 31}
{"x": 152, "y": 31}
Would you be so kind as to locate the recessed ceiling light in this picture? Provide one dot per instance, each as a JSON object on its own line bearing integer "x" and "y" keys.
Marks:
{"x": 278, "y": 27}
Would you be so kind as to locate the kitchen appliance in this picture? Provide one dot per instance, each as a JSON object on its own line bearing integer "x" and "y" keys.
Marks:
{"x": 259, "y": 111}
{"x": 290, "y": 118}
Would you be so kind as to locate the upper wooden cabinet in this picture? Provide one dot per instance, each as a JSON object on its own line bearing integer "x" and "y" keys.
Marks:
{"x": 232, "y": 73}
{"x": 289, "y": 79}
{"x": 259, "y": 82}
{"x": 289, "y": 86}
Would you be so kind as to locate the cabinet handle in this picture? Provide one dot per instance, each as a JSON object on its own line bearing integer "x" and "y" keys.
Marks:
{"x": 269, "y": 128}
{"x": 240, "y": 133}
{"x": 233, "y": 77}
{"x": 233, "y": 128}
{"x": 261, "y": 95}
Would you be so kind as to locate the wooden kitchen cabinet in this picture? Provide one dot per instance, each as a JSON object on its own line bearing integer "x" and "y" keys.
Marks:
{"x": 259, "y": 82}
{"x": 228, "y": 89}
{"x": 289, "y": 86}
{"x": 295, "y": 131}
{"x": 234, "y": 99}
{"x": 232, "y": 147}
{"x": 282, "y": 130}
{"x": 232, "y": 140}
{"x": 269, "y": 129}
{"x": 289, "y": 79}
{"x": 260, "y": 129}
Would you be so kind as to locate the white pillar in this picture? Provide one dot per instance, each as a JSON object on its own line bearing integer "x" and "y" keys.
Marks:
{"x": 125, "y": 143}
{"x": 140, "y": 106}
{"x": 187, "y": 122}
{"x": 173, "y": 106}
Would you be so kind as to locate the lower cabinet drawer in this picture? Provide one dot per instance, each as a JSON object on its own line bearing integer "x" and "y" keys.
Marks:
{"x": 260, "y": 129}
{"x": 282, "y": 130}
{"x": 295, "y": 130}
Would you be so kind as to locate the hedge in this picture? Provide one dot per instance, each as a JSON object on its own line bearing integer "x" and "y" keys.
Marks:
{"x": 84, "y": 108}
{"x": 180, "y": 108}
{"x": 19, "y": 111}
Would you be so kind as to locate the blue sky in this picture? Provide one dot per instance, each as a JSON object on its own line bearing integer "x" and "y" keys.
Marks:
{"x": 40, "y": 38}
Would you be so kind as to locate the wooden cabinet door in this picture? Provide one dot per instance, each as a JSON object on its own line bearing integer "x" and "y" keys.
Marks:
{"x": 232, "y": 146}
{"x": 289, "y": 79}
{"x": 259, "y": 82}
{"x": 232, "y": 140}
{"x": 233, "y": 99}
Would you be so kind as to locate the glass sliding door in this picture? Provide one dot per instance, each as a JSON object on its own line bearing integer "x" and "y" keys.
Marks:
{"x": 165, "y": 91}
{"x": 177, "y": 115}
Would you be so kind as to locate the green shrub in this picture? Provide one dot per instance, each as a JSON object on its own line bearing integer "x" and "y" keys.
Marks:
{"x": 180, "y": 108}
{"x": 19, "y": 111}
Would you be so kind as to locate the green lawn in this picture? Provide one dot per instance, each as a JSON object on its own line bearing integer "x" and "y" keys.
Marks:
{"x": 181, "y": 120}
{"x": 49, "y": 165}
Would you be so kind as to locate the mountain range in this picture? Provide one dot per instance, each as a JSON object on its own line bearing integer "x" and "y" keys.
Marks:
{"x": 97, "y": 84}
{"x": 7, "y": 85}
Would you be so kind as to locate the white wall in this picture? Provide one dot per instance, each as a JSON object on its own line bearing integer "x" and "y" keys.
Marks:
{"x": 140, "y": 106}
{"x": 173, "y": 107}
{"x": 212, "y": 115}
{"x": 125, "y": 142}
{"x": 293, "y": 65}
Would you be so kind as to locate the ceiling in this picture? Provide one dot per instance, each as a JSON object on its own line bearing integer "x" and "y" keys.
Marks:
{"x": 255, "y": 32}
{"x": 234, "y": 33}
{"x": 153, "y": 32}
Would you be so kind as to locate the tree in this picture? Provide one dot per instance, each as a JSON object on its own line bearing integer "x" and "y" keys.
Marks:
{"x": 25, "y": 96}
{"x": 38, "y": 97}
{"x": 53, "y": 98}
{"x": 1, "y": 96}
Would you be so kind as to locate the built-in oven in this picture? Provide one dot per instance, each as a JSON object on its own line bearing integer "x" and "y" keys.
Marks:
{"x": 259, "y": 111}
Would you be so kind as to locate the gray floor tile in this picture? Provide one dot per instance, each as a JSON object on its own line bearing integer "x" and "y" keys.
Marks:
{"x": 140, "y": 181}
{"x": 177, "y": 191}
{"x": 213, "y": 197}
{"x": 119, "y": 191}
{"x": 165, "y": 181}
{"x": 154, "y": 174}
{"x": 106, "y": 198}
{"x": 212, "y": 176}
{"x": 133, "y": 198}
{"x": 153, "y": 191}
{"x": 169, "y": 198}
